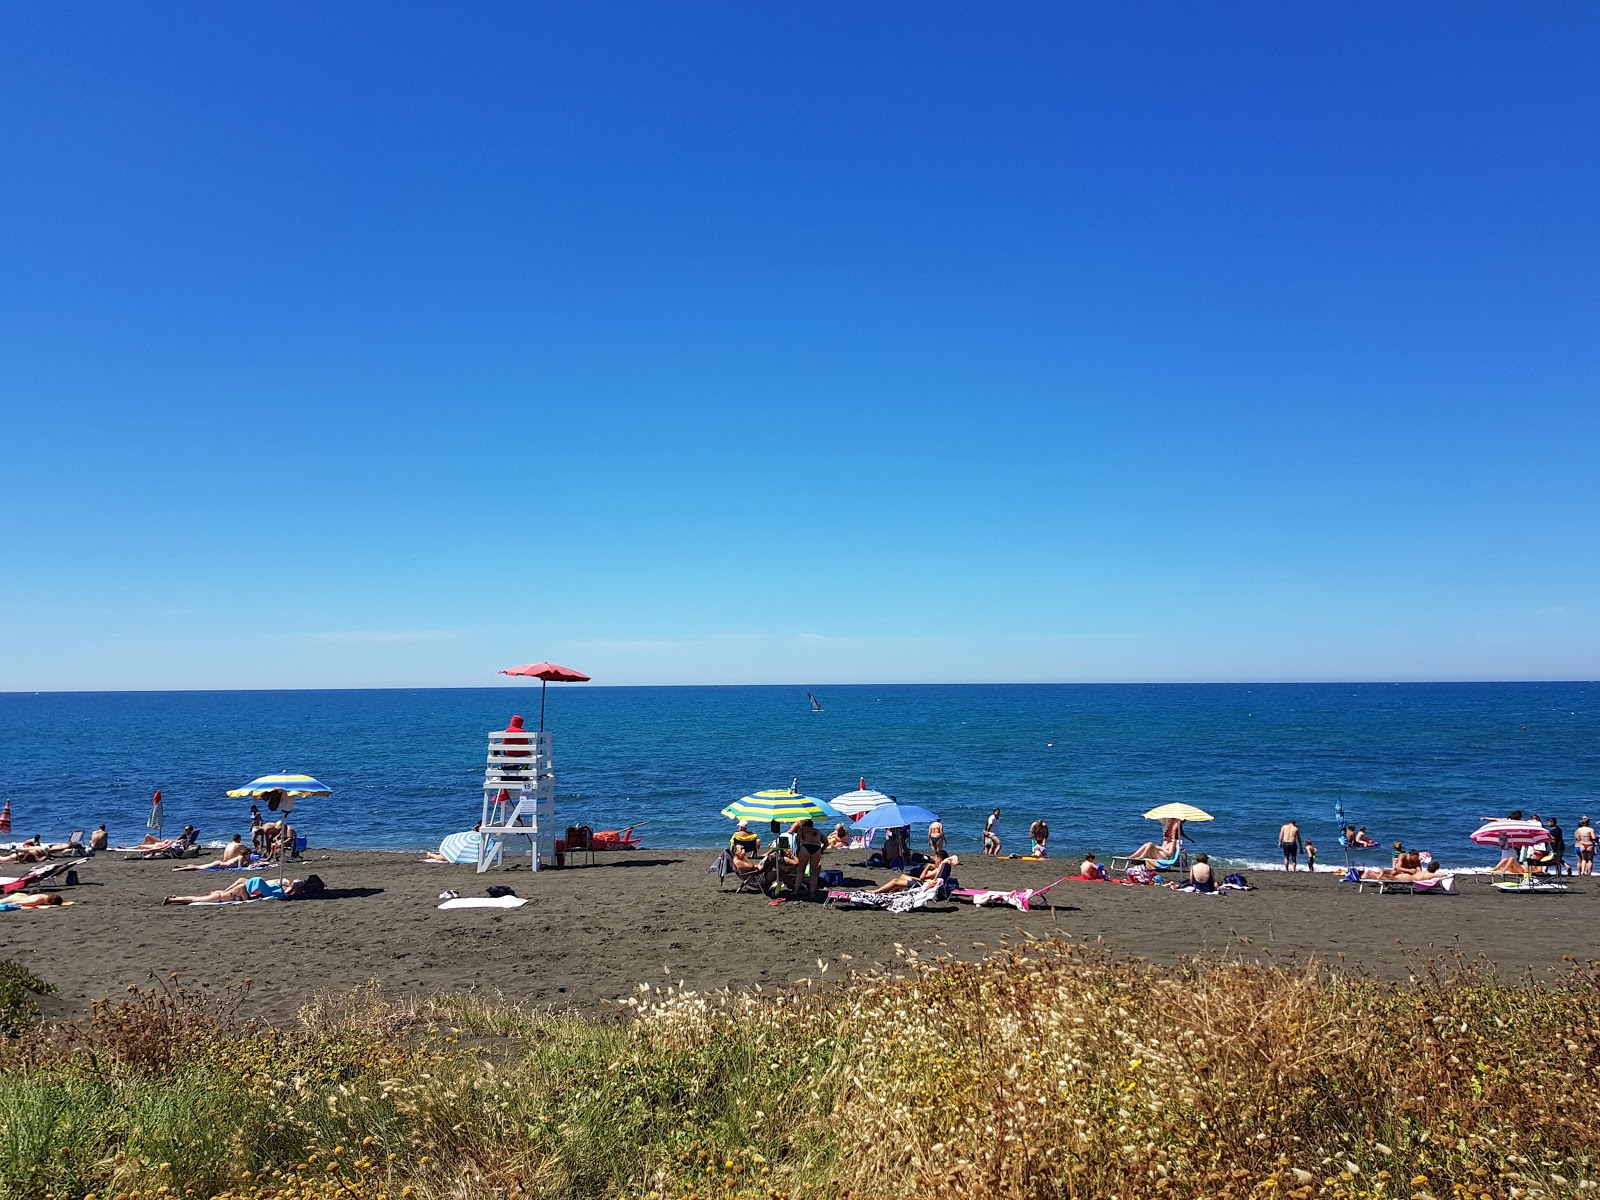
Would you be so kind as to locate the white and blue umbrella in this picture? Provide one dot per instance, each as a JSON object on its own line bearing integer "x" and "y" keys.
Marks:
{"x": 461, "y": 847}
{"x": 892, "y": 816}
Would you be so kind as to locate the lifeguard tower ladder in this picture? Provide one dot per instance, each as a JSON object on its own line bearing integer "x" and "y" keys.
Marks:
{"x": 519, "y": 798}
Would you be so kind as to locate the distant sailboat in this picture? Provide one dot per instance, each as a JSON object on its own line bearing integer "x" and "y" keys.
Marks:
{"x": 816, "y": 705}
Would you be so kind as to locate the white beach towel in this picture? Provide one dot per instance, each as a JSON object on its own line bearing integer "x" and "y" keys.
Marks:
{"x": 485, "y": 902}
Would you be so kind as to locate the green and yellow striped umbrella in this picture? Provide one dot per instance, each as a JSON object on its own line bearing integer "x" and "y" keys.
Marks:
{"x": 778, "y": 804}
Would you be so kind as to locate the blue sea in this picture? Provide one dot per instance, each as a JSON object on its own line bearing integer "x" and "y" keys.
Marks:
{"x": 1415, "y": 762}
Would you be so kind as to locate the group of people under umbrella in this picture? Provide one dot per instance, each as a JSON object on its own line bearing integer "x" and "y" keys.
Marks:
{"x": 797, "y": 844}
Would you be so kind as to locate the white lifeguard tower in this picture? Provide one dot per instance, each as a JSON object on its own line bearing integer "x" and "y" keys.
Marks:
{"x": 519, "y": 798}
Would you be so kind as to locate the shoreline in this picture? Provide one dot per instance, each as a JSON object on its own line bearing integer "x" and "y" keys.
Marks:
{"x": 590, "y": 935}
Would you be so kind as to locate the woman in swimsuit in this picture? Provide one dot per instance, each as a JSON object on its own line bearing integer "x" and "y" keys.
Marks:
{"x": 808, "y": 844}
{"x": 256, "y": 888}
{"x": 1583, "y": 841}
{"x": 928, "y": 874}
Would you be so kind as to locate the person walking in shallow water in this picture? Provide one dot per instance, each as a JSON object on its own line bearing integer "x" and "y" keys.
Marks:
{"x": 1289, "y": 843}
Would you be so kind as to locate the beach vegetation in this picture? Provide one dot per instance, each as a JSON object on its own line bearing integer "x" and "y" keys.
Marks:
{"x": 1046, "y": 1069}
{"x": 18, "y": 987}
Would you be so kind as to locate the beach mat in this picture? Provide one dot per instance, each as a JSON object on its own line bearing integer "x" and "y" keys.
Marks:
{"x": 485, "y": 902}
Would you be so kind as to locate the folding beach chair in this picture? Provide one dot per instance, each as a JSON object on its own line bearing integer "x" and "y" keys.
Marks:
{"x": 748, "y": 881}
{"x": 38, "y": 875}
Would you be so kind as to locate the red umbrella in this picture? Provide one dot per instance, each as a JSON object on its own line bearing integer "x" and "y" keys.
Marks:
{"x": 549, "y": 673}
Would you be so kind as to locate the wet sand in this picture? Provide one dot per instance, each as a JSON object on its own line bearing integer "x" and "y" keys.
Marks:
{"x": 591, "y": 934}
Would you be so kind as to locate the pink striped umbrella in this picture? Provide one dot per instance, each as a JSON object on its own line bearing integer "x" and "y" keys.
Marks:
{"x": 1516, "y": 833}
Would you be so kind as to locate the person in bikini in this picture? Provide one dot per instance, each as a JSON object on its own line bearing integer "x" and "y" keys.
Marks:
{"x": 1583, "y": 842}
{"x": 234, "y": 854}
{"x": 808, "y": 847}
{"x": 928, "y": 874}
{"x": 256, "y": 888}
{"x": 1171, "y": 839}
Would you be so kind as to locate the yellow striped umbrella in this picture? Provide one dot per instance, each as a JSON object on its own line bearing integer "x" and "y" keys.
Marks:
{"x": 297, "y": 786}
{"x": 778, "y": 804}
{"x": 1178, "y": 812}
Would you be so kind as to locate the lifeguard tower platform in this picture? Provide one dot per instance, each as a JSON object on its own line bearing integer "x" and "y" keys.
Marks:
{"x": 519, "y": 798}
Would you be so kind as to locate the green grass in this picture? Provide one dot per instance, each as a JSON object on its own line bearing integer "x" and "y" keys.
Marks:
{"x": 1043, "y": 1071}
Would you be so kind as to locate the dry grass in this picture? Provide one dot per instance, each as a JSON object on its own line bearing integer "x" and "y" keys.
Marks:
{"x": 1045, "y": 1070}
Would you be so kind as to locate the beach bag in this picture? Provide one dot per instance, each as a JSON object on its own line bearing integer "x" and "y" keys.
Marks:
{"x": 1236, "y": 881}
{"x": 1351, "y": 876}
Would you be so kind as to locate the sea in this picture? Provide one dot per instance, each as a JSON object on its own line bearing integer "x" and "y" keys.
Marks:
{"x": 1420, "y": 763}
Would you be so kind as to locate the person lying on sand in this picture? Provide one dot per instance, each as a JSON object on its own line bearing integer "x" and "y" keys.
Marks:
{"x": 234, "y": 854}
{"x": 255, "y": 888}
{"x": 31, "y": 900}
{"x": 31, "y": 851}
{"x": 928, "y": 874}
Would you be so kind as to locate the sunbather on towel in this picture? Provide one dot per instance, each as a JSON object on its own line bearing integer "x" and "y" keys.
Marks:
{"x": 1092, "y": 869}
{"x": 255, "y": 888}
{"x": 929, "y": 873}
{"x": 839, "y": 839}
{"x": 1200, "y": 879}
{"x": 31, "y": 900}
{"x": 234, "y": 854}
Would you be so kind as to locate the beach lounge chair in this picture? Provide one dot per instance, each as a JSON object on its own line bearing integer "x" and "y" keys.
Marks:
{"x": 36, "y": 876}
{"x": 1533, "y": 885}
{"x": 748, "y": 881}
{"x": 895, "y": 902}
{"x": 1020, "y": 899}
{"x": 1444, "y": 885}
{"x": 1178, "y": 862}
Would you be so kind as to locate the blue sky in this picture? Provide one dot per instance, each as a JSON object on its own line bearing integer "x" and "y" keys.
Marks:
{"x": 382, "y": 345}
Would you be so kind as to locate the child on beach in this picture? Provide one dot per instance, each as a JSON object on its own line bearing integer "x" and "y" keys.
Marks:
{"x": 1311, "y": 858}
{"x": 1040, "y": 833}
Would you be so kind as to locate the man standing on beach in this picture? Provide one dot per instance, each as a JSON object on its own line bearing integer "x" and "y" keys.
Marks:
{"x": 1289, "y": 843}
{"x": 991, "y": 839}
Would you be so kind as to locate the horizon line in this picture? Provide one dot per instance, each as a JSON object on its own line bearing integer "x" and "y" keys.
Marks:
{"x": 509, "y": 686}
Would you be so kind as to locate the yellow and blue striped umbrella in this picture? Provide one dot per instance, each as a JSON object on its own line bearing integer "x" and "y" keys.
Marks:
{"x": 296, "y": 786}
{"x": 778, "y": 804}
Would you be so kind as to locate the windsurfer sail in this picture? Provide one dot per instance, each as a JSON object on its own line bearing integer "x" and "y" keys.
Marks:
{"x": 816, "y": 705}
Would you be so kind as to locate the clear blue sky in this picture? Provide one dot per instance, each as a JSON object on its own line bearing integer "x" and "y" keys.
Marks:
{"x": 374, "y": 344}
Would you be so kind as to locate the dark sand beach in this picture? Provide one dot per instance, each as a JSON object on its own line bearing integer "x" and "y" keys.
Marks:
{"x": 592, "y": 934}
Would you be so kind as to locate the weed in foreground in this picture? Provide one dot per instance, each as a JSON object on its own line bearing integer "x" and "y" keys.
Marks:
{"x": 1045, "y": 1070}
